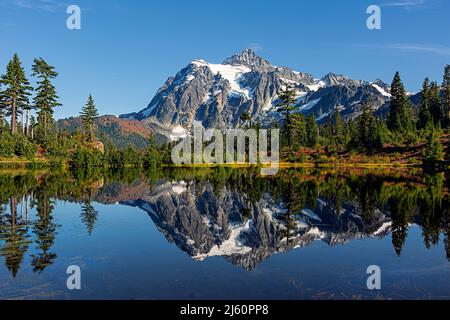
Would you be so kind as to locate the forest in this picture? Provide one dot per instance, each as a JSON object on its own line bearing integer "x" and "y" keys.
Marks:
{"x": 407, "y": 135}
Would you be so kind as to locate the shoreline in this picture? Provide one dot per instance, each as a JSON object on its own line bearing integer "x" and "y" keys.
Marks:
{"x": 281, "y": 165}
{"x": 308, "y": 165}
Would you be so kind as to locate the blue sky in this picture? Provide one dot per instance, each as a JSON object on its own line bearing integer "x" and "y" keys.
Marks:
{"x": 127, "y": 49}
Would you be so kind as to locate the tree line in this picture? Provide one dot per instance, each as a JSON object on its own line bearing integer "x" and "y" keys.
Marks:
{"x": 27, "y": 203}
{"x": 404, "y": 123}
{"x": 31, "y": 131}
{"x": 28, "y": 128}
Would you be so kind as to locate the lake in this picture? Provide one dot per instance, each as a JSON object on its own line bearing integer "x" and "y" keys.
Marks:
{"x": 225, "y": 234}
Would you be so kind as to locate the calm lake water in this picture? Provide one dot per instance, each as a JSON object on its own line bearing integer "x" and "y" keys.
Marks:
{"x": 225, "y": 234}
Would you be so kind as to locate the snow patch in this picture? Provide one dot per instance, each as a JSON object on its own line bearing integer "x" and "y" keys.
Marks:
{"x": 310, "y": 214}
{"x": 231, "y": 246}
{"x": 179, "y": 187}
{"x": 317, "y": 233}
{"x": 385, "y": 227}
{"x": 288, "y": 81}
{"x": 269, "y": 106}
{"x": 178, "y": 133}
{"x": 189, "y": 78}
{"x": 315, "y": 87}
{"x": 325, "y": 115}
{"x": 230, "y": 73}
{"x": 381, "y": 90}
{"x": 309, "y": 105}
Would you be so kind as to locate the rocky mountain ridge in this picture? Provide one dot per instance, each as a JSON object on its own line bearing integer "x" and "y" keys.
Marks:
{"x": 218, "y": 94}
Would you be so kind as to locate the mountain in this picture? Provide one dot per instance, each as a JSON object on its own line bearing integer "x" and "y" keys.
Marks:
{"x": 218, "y": 94}
{"x": 205, "y": 222}
{"x": 208, "y": 220}
{"x": 122, "y": 132}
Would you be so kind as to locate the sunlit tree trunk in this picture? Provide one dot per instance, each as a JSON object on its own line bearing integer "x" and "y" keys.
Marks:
{"x": 22, "y": 123}
{"x": 14, "y": 116}
{"x": 27, "y": 129}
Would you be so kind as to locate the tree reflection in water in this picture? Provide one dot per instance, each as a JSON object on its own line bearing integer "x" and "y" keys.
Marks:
{"x": 233, "y": 213}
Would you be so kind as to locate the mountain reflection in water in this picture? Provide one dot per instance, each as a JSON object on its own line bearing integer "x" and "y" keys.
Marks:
{"x": 235, "y": 214}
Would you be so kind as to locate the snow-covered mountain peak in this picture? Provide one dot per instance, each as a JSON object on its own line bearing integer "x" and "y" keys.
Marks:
{"x": 218, "y": 94}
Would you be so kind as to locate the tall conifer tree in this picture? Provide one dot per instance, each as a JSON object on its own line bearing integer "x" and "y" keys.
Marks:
{"x": 338, "y": 128}
{"x": 2, "y": 116}
{"x": 399, "y": 118}
{"x": 435, "y": 104}
{"x": 434, "y": 150}
{"x": 46, "y": 98}
{"x": 424, "y": 112}
{"x": 287, "y": 98}
{"x": 312, "y": 131}
{"x": 14, "y": 98}
{"x": 368, "y": 135}
{"x": 446, "y": 93}
{"x": 89, "y": 114}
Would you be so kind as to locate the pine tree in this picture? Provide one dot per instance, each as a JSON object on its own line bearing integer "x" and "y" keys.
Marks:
{"x": 312, "y": 131}
{"x": 32, "y": 127}
{"x": 338, "y": 129}
{"x": 14, "y": 99}
{"x": 435, "y": 105}
{"x": 287, "y": 98}
{"x": 399, "y": 118}
{"x": 424, "y": 112}
{"x": 89, "y": 114}
{"x": 89, "y": 216}
{"x": 369, "y": 131}
{"x": 46, "y": 98}
{"x": 298, "y": 131}
{"x": 2, "y": 116}
{"x": 434, "y": 150}
{"x": 152, "y": 156}
{"x": 446, "y": 98}
{"x": 3, "y": 123}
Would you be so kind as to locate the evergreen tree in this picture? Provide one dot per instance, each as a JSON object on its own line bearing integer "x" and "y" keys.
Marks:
{"x": 2, "y": 120}
{"x": 89, "y": 114}
{"x": 26, "y": 123}
{"x": 32, "y": 127}
{"x": 424, "y": 112}
{"x": 399, "y": 118}
{"x": 298, "y": 131}
{"x": 151, "y": 157}
{"x": 132, "y": 157}
{"x": 14, "y": 99}
{"x": 45, "y": 230}
{"x": 368, "y": 136}
{"x": 435, "y": 105}
{"x": 89, "y": 216}
{"x": 46, "y": 98}
{"x": 312, "y": 132}
{"x": 434, "y": 150}
{"x": 113, "y": 156}
{"x": 338, "y": 129}
{"x": 287, "y": 98}
{"x": 446, "y": 98}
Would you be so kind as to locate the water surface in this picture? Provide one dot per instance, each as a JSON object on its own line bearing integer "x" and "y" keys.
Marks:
{"x": 224, "y": 234}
